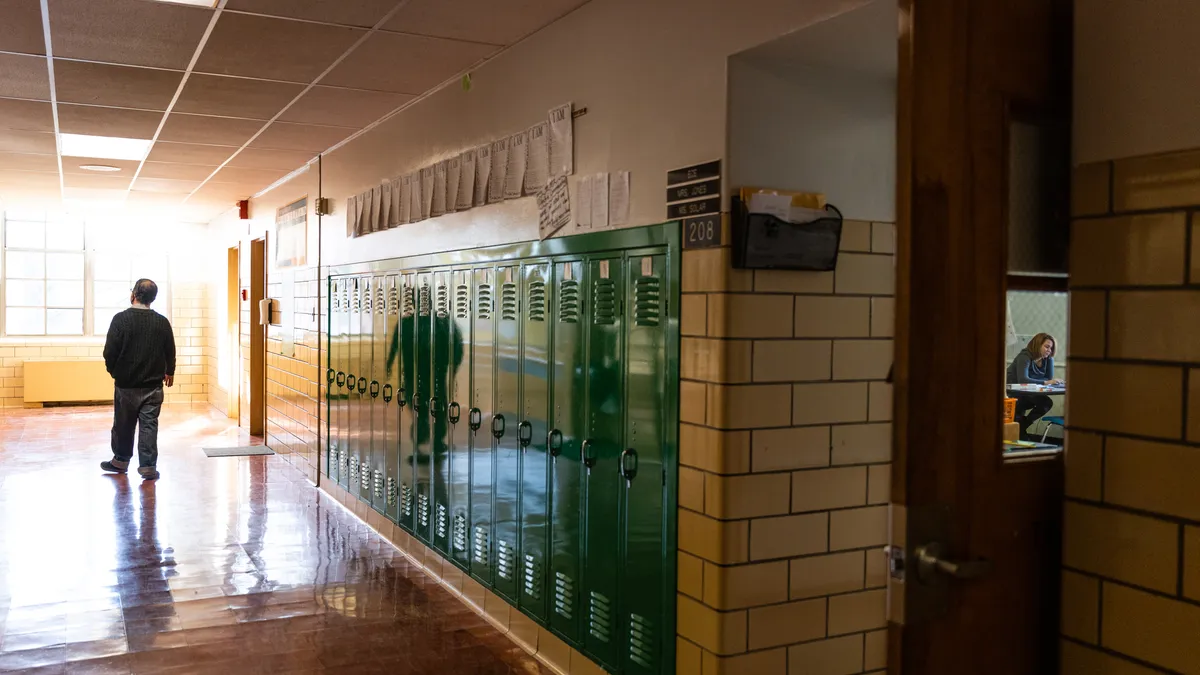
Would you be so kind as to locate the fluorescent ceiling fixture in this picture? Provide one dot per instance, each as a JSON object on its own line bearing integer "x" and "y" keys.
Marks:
{"x": 103, "y": 147}
{"x": 198, "y": 3}
{"x": 99, "y": 167}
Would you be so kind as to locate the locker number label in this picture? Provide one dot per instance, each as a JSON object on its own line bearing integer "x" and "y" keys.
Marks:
{"x": 603, "y": 269}
{"x": 647, "y": 266}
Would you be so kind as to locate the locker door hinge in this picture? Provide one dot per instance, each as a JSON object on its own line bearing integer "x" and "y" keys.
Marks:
{"x": 664, "y": 476}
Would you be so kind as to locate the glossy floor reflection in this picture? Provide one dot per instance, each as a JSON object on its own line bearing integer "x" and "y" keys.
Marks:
{"x": 225, "y": 565}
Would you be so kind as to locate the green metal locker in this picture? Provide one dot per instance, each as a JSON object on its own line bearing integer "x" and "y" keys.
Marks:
{"x": 353, "y": 373}
{"x": 483, "y": 434}
{"x": 600, "y": 453}
{"x": 439, "y": 404}
{"x": 568, "y": 422}
{"x": 391, "y": 401}
{"x": 642, "y": 467}
{"x": 457, "y": 414}
{"x": 335, "y": 380}
{"x": 344, "y": 390}
{"x": 379, "y": 436}
{"x": 506, "y": 427}
{"x": 405, "y": 399}
{"x": 421, "y": 405}
{"x": 532, "y": 436}
{"x": 366, "y": 338}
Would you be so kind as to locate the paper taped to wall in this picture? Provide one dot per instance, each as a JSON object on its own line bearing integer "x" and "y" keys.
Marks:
{"x": 554, "y": 207}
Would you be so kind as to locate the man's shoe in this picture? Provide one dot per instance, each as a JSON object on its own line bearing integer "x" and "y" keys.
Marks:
{"x": 148, "y": 473}
{"x": 112, "y": 467}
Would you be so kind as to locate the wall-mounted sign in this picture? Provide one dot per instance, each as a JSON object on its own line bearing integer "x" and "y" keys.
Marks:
{"x": 702, "y": 231}
{"x": 694, "y": 190}
{"x": 291, "y": 234}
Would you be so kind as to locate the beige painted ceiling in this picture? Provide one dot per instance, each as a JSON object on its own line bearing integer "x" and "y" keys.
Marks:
{"x": 234, "y": 96}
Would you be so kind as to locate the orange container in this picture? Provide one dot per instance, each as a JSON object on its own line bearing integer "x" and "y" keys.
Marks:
{"x": 1010, "y": 410}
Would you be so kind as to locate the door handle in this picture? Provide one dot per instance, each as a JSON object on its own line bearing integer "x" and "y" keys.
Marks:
{"x": 331, "y": 376}
{"x": 554, "y": 441}
{"x": 455, "y": 412}
{"x": 433, "y": 407}
{"x": 626, "y": 470}
{"x": 475, "y": 419}
{"x": 401, "y": 397}
{"x": 930, "y": 564}
{"x": 362, "y": 385}
{"x": 498, "y": 426}
{"x": 351, "y": 382}
{"x": 387, "y": 393}
{"x": 587, "y": 455}
{"x": 374, "y": 388}
{"x": 341, "y": 379}
{"x": 525, "y": 434}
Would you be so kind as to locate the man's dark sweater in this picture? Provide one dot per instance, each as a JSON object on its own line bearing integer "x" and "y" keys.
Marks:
{"x": 140, "y": 349}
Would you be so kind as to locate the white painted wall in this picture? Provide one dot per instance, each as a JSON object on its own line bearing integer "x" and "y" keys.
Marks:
{"x": 651, "y": 74}
{"x": 1137, "y": 78}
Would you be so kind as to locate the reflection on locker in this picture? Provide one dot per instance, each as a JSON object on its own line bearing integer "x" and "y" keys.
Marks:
{"x": 510, "y": 408}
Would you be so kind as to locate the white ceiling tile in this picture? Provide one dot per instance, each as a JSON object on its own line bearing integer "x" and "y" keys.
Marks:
{"x": 273, "y": 49}
{"x": 407, "y": 64}
{"x": 343, "y": 107}
{"x": 500, "y": 23}
{"x": 362, "y": 13}
{"x": 132, "y": 32}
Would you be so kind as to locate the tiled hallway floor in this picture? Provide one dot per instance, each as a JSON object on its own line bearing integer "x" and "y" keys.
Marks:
{"x": 225, "y": 565}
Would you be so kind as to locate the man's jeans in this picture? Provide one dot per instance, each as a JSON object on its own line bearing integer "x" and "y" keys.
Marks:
{"x": 133, "y": 408}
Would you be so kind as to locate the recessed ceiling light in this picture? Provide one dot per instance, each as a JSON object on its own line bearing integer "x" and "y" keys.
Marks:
{"x": 99, "y": 167}
{"x": 103, "y": 147}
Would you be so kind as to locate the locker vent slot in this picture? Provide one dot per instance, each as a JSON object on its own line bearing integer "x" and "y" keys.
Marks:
{"x": 355, "y": 301}
{"x": 337, "y": 301}
{"x": 424, "y": 306}
{"x": 366, "y": 298}
{"x": 391, "y": 492}
{"x": 508, "y": 302}
{"x": 378, "y": 484}
{"x": 380, "y": 302}
{"x": 409, "y": 302}
{"x": 423, "y": 511}
{"x": 641, "y": 641}
{"x": 443, "y": 302}
{"x": 537, "y": 300}
{"x": 533, "y": 577}
{"x": 646, "y": 301}
{"x": 481, "y": 545}
{"x": 393, "y": 302}
{"x": 406, "y": 502}
{"x": 604, "y": 302}
{"x": 443, "y": 521}
{"x": 564, "y": 595}
{"x": 505, "y": 560}
{"x": 483, "y": 302}
{"x": 460, "y": 532}
{"x": 568, "y": 301}
{"x": 462, "y": 302}
{"x": 600, "y": 617}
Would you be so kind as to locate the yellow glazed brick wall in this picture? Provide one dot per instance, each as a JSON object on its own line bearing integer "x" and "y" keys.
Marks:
{"x": 189, "y": 319}
{"x": 785, "y": 451}
{"x": 292, "y": 377}
{"x": 1131, "y": 543}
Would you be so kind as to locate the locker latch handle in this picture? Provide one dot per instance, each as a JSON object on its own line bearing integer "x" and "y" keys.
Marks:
{"x": 351, "y": 382}
{"x": 626, "y": 470}
{"x": 387, "y": 393}
{"x": 332, "y": 376}
{"x": 455, "y": 412}
{"x": 554, "y": 441}
{"x": 341, "y": 379}
{"x": 498, "y": 426}
{"x": 362, "y": 385}
{"x": 434, "y": 404}
{"x": 586, "y": 454}
{"x": 402, "y": 398}
{"x": 374, "y": 388}
{"x": 475, "y": 419}
{"x": 525, "y": 434}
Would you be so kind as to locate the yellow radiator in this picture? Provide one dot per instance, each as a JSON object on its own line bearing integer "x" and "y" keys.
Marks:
{"x": 61, "y": 381}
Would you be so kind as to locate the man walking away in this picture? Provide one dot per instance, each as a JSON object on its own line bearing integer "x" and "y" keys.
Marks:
{"x": 140, "y": 355}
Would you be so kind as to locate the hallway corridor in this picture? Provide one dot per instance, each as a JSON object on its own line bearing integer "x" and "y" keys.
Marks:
{"x": 232, "y": 565}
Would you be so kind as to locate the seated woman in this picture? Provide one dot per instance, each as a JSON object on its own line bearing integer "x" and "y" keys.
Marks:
{"x": 1034, "y": 365}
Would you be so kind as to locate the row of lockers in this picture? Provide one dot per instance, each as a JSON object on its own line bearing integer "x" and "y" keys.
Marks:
{"x": 517, "y": 417}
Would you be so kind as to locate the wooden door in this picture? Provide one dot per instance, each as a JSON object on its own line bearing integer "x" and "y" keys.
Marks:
{"x": 968, "y": 68}
{"x": 258, "y": 338}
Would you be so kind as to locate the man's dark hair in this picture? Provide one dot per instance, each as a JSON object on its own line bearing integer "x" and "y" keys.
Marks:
{"x": 145, "y": 291}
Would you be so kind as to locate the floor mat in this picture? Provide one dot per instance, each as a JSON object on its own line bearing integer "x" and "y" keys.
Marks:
{"x": 242, "y": 451}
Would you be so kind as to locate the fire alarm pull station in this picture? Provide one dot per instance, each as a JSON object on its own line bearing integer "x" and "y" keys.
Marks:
{"x": 245, "y": 294}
